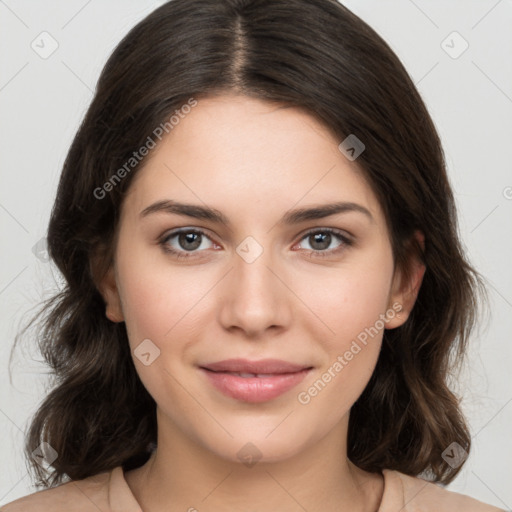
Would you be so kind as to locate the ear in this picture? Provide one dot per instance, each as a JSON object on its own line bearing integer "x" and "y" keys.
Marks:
{"x": 110, "y": 293}
{"x": 406, "y": 284}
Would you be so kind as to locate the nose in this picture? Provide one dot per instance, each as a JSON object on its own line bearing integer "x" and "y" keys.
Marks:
{"x": 255, "y": 296}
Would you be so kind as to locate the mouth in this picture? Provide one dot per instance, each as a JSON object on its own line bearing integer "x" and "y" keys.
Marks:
{"x": 254, "y": 381}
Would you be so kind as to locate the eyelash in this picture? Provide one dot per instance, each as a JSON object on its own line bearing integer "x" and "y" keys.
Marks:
{"x": 346, "y": 242}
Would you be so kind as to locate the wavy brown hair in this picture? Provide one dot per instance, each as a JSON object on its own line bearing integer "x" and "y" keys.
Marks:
{"x": 311, "y": 54}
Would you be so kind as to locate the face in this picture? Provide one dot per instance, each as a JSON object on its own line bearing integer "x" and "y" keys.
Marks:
{"x": 255, "y": 282}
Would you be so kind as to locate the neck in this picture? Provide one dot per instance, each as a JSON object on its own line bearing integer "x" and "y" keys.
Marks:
{"x": 182, "y": 475}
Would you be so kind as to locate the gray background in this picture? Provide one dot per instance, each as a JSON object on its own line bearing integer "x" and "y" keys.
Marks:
{"x": 42, "y": 101}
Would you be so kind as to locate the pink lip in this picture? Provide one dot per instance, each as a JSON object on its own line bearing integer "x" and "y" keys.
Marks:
{"x": 254, "y": 389}
{"x": 260, "y": 366}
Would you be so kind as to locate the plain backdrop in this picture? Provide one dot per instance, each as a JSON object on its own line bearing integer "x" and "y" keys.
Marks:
{"x": 467, "y": 90}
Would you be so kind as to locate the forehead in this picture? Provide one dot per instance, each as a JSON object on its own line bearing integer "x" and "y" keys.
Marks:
{"x": 249, "y": 155}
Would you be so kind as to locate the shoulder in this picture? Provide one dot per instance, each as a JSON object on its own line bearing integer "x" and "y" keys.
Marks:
{"x": 418, "y": 495}
{"x": 90, "y": 494}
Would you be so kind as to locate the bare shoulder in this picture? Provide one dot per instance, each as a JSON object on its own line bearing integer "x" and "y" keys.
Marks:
{"x": 89, "y": 494}
{"x": 429, "y": 497}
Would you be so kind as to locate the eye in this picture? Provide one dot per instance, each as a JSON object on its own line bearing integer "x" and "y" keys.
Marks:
{"x": 184, "y": 243}
{"x": 321, "y": 239}
{"x": 187, "y": 240}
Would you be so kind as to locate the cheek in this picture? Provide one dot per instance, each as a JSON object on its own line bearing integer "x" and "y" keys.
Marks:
{"x": 161, "y": 305}
{"x": 157, "y": 298}
{"x": 350, "y": 301}
{"x": 351, "y": 309}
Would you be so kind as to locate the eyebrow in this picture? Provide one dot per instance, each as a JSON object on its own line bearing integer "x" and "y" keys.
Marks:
{"x": 291, "y": 217}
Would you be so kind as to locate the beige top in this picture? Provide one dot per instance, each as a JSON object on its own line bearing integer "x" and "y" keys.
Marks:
{"x": 109, "y": 492}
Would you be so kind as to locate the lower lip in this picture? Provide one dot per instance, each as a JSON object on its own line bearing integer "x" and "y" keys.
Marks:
{"x": 254, "y": 389}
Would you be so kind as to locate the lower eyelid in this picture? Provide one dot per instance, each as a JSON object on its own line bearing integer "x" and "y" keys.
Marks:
{"x": 344, "y": 239}
{"x": 169, "y": 236}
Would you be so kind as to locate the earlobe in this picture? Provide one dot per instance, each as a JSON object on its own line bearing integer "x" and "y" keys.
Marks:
{"x": 406, "y": 286}
{"x": 109, "y": 291}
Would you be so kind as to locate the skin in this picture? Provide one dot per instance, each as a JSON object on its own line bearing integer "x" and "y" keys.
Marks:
{"x": 253, "y": 161}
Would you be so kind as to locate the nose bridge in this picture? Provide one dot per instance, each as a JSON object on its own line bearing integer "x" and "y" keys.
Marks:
{"x": 256, "y": 296}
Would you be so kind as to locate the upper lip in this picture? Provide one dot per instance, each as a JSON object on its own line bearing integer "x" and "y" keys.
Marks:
{"x": 261, "y": 366}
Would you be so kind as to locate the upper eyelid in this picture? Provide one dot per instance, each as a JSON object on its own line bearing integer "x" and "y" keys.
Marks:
{"x": 336, "y": 231}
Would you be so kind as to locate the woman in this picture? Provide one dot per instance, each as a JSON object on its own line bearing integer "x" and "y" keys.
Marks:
{"x": 254, "y": 369}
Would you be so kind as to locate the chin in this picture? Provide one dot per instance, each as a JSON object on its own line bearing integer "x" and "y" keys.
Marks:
{"x": 260, "y": 451}
{"x": 258, "y": 446}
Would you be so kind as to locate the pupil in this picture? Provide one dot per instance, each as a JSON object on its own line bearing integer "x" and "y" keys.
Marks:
{"x": 186, "y": 238}
{"x": 194, "y": 238}
{"x": 324, "y": 239}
